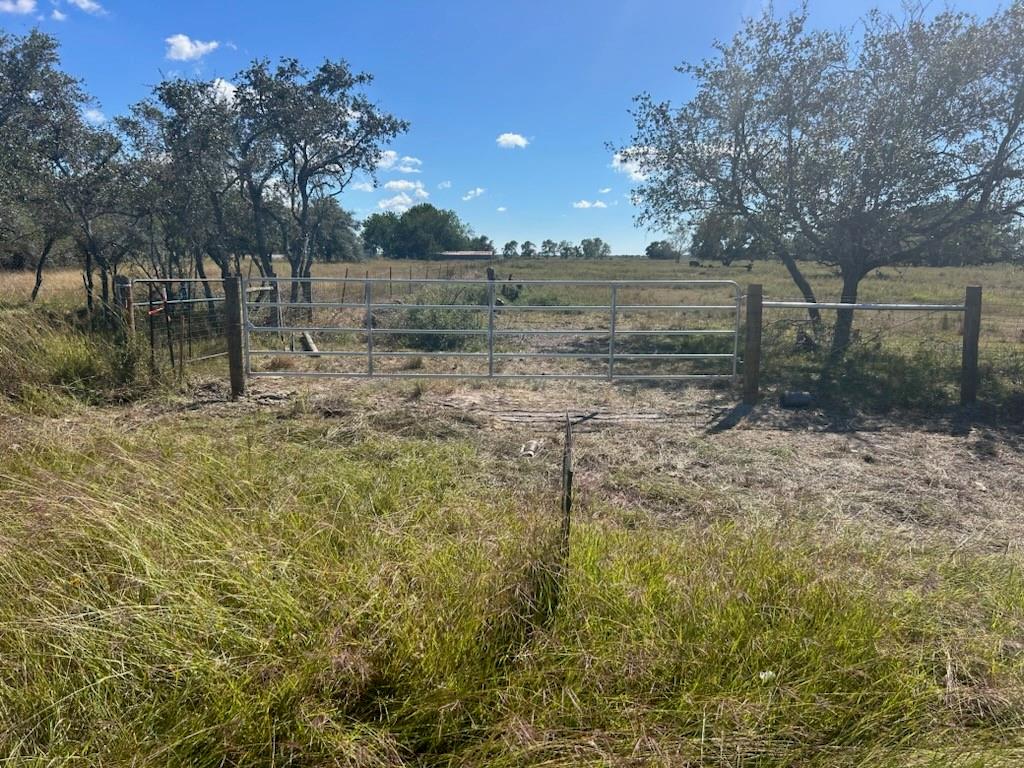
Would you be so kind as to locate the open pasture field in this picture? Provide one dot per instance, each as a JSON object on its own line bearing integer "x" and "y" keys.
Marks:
{"x": 362, "y": 573}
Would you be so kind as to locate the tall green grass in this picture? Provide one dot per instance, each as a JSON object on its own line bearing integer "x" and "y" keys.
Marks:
{"x": 47, "y": 362}
{"x": 266, "y": 593}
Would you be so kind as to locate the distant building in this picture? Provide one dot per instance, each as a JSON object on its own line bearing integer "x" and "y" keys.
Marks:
{"x": 464, "y": 255}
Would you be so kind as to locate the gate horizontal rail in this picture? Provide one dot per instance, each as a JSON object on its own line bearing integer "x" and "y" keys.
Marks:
{"x": 342, "y": 312}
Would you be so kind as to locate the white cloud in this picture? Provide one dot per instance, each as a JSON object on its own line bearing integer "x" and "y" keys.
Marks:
{"x": 184, "y": 48}
{"x": 605, "y": 190}
{"x": 399, "y": 203}
{"x": 390, "y": 161}
{"x": 404, "y": 185}
{"x": 445, "y": 185}
{"x": 94, "y": 116}
{"x": 17, "y": 6}
{"x": 476, "y": 192}
{"x": 57, "y": 15}
{"x": 409, "y": 165}
{"x": 363, "y": 186}
{"x": 589, "y": 204}
{"x": 626, "y": 162}
{"x": 501, "y": 209}
{"x": 225, "y": 91}
{"x": 512, "y": 141}
{"x": 89, "y": 6}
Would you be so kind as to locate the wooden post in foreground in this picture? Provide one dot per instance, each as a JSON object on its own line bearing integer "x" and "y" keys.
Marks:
{"x": 125, "y": 303}
{"x": 972, "y": 331}
{"x": 752, "y": 350}
{"x": 233, "y": 328}
{"x": 567, "y": 477}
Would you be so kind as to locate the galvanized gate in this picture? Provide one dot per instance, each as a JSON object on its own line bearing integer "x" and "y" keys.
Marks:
{"x": 498, "y": 329}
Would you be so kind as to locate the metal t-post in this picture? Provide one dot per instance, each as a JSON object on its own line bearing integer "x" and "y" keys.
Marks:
{"x": 611, "y": 334}
{"x": 490, "y": 328}
{"x": 368, "y": 291}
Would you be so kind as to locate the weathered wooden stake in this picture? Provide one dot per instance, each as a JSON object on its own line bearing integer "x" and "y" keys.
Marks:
{"x": 152, "y": 330}
{"x": 123, "y": 291}
{"x": 972, "y": 332}
{"x": 181, "y": 345}
{"x": 567, "y": 476}
{"x": 233, "y": 327}
{"x": 752, "y": 351}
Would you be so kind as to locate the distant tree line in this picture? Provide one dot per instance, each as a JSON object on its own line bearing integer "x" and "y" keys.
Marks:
{"x": 724, "y": 238}
{"x": 200, "y": 171}
{"x": 588, "y": 248}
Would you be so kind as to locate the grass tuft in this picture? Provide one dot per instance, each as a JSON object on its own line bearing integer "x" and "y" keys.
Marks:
{"x": 46, "y": 362}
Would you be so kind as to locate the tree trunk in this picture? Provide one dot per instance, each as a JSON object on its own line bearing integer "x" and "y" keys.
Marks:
{"x": 266, "y": 262}
{"x": 87, "y": 281}
{"x": 307, "y": 286}
{"x": 844, "y": 317}
{"x": 40, "y": 264}
{"x": 804, "y": 287}
{"x": 105, "y": 289}
{"x": 296, "y": 273}
{"x": 211, "y": 307}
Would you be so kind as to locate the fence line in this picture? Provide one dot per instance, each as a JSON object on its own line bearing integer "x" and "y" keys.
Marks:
{"x": 180, "y": 322}
{"x": 972, "y": 329}
{"x": 184, "y": 328}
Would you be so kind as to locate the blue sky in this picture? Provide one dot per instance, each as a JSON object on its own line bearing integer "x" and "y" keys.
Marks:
{"x": 557, "y": 77}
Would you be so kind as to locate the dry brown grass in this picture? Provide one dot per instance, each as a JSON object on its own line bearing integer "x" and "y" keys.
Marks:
{"x": 60, "y": 286}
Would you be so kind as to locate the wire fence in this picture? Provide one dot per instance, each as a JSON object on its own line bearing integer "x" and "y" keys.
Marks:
{"x": 181, "y": 321}
{"x": 892, "y": 359}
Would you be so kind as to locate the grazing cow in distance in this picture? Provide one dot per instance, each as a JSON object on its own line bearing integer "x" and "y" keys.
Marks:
{"x": 695, "y": 264}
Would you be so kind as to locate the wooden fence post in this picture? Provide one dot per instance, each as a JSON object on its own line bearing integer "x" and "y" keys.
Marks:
{"x": 752, "y": 351}
{"x": 125, "y": 301}
{"x": 972, "y": 332}
{"x": 233, "y": 327}
{"x": 567, "y": 478}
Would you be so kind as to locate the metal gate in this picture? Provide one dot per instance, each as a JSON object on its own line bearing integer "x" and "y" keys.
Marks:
{"x": 613, "y": 330}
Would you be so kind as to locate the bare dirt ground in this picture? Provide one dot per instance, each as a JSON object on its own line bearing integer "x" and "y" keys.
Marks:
{"x": 685, "y": 456}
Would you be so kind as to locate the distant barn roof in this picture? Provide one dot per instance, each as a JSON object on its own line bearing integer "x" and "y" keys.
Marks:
{"x": 466, "y": 254}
